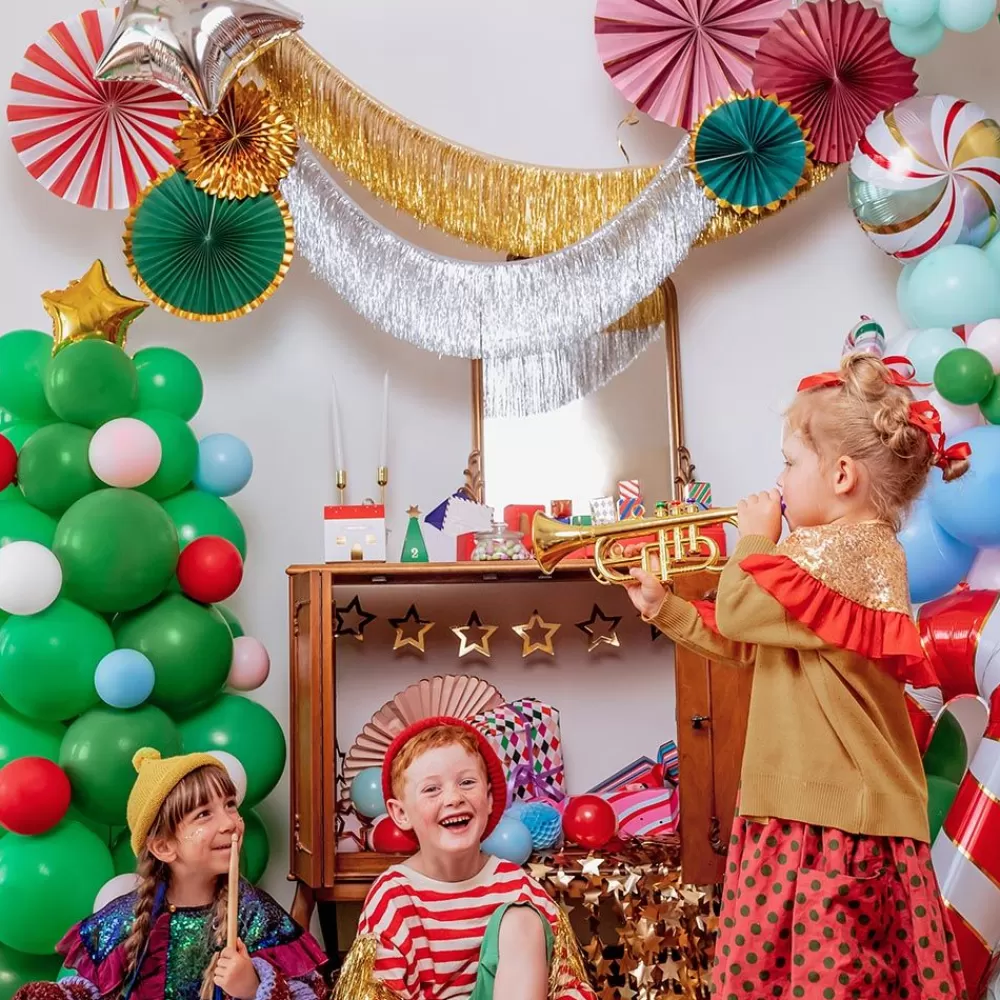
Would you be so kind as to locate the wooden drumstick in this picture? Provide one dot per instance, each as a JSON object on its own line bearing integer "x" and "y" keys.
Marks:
{"x": 233, "y": 902}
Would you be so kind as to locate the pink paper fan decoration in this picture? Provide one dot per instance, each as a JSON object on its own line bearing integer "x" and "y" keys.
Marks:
{"x": 94, "y": 144}
{"x": 674, "y": 58}
{"x": 835, "y": 65}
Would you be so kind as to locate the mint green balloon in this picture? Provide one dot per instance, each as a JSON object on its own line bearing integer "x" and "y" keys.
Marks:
{"x": 48, "y": 660}
{"x": 910, "y": 13}
{"x": 18, "y": 969}
{"x": 53, "y": 467}
{"x": 20, "y": 522}
{"x": 24, "y": 360}
{"x": 916, "y": 41}
{"x": 91, "y": 382}
{"x": 168, "y": 380}
{"x": 966, "y": 16}
{"x": 180, "y": 454}
{"x": 48, "y": 883}
{"x": 198, "y": 514}
{"x": 23, "y": 737}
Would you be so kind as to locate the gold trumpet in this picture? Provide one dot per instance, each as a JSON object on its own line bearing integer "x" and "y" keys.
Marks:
{"x": 679, "y": 548}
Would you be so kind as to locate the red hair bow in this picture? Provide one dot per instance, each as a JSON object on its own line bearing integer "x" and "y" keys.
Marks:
{"x": 830, "y": 380}
{"x": 925, "y": 417}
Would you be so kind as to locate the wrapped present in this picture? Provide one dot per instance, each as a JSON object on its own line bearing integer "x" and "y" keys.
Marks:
{"x": 603, "y": 510}
{"x": 644, "y": 795}
{"x": 699, "y": 493}
{"x": 520, "y": 517}
{"x": 562, "y": 510}
{"x": 526, "y": 737}
{"x": 629, "y": 499}
{"x": 354, "y": 532}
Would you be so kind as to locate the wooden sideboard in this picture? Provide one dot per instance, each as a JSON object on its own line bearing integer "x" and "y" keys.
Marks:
{"x": 712, "y": 704}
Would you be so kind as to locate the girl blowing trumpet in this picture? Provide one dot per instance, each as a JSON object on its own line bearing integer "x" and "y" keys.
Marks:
{"x": 169, "y": 939}
{"x": 829, "y": 890}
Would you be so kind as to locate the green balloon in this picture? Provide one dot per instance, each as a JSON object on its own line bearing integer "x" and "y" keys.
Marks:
{"x": 963, "y": 376}
{"x": 97, "y": 753}
{"x": 256, "y": 850}
{"x": 47, "y": 661}
{"x": 231, "y": 620}
{"x": 91, "y": 382}
{"x": 168, "y": 380}
{"x": 180, "y": 454}
{"x": 17, "y": 434}
{"x": 24, "y": 359}
{"x": 18, "y": 969}
{"x": 48, "y": 883}
{"x": 198, "y": 514}
{"x": 20, "y": 522}
{"x": 22, "y": 737}
{"x": 940, "y": 794}
{"x": 948, "y": 755}
{"x": 100, "y": 830}
{"x": 246, "y": 730}
{"x": 990, "y": 404}
{"x": 7, "y": 418}
{"x": 118, "y": 550}
{"x": 53, "y": 467}
{"x": 189, "y": 645}
{"x": 65, "y": 973}
{"x": 122, "y": 856}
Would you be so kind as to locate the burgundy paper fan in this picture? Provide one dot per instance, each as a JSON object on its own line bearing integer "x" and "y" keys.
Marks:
{"x": 673, "y": 59}
{"x": 834, "y": 64}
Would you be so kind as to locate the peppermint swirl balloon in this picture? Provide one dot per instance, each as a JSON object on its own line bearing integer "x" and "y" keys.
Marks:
{"x": 926, "y": 174}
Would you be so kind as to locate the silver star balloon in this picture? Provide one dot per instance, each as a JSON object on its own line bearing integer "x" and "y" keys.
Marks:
{"x": 196, "y": 48}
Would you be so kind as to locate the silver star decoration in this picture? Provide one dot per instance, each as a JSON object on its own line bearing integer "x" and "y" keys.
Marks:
{"x": 195, "y": 48}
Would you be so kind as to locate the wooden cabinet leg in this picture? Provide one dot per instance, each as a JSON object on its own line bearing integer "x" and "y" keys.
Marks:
{"x": 327, "y": 913}
{"x": 303, "y": 905}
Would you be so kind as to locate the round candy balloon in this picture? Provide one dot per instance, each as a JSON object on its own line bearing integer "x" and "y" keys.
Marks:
{"x": 30, "y": 578}
{"x": 34, "y": 795}
{"x": 224, "y": 465}
{"x": 387, "y": 838}
{"x": 589, "y": 821}
{"x": 251, "y": 664}
{"x": 124, "y": 678}
{"x": 926, "y": 174}
{"x": 114, "y": 888}
{"x": 125, "y": 452}
{"x": 237, "y": 772}
{"x": 366, "y": 792}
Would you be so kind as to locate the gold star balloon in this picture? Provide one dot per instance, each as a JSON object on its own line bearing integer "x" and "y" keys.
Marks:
{"x": 481, "y": 643}
{"x": 527, "y": 631}
{"x": 91, "y": 308}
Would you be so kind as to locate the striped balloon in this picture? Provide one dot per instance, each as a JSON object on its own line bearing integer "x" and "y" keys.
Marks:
{"x": 926, "y": 174}
{"x": 94, "y": 144}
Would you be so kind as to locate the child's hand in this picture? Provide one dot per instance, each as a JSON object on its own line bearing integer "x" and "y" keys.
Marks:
{"x": 760, "y": 514}
{"x": 235, "y": 974}
{"x": 647, "y": 593}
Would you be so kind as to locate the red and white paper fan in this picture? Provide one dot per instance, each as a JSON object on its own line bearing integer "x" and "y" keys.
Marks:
{"x": 674, "y": 58}
{"x": 94, "y": 144}
{"x": 835, "y": 65}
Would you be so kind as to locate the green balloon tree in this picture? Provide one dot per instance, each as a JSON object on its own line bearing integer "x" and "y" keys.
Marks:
{"x": 120, "y": 605}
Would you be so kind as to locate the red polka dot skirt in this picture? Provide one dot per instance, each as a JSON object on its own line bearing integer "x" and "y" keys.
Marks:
{"x": 816, "y": 913}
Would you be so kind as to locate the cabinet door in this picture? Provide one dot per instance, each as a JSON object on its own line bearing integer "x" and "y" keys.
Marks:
{"x": 712, "y": 704}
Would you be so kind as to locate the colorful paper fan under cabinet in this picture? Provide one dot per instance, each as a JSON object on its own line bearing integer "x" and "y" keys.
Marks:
{"x": 926, "y": 174}
{"x": 674, "y": 58}
{"x": 750, "y": 153}
{"x": 207, "y": 258}
{"x": 94, "y": 144}
{"x": 834, "y": 64}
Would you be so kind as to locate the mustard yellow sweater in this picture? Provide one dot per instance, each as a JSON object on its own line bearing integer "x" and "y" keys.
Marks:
{"x": 824, "y": 623}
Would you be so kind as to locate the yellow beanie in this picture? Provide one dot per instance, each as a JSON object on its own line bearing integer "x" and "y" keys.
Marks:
{"x": 156, "y": 779}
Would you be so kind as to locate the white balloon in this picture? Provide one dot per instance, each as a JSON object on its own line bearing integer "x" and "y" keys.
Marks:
{"x": 897, "y": 346}
{"x": 237, "y": 772}
{"x": 985, "y": 572}
{"x": 955, "y": 419}
{"x": 985, "y": 338}
{"x": 30, "y": 578}
{"x": 120, "y": 885}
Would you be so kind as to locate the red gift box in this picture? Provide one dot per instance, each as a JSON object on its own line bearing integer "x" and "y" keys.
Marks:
{"x": 520, "y": 517}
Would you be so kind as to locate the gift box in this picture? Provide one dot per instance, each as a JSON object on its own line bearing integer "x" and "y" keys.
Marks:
{"x": 520, "y": 517}
{"x": 354, "y": 532}
{"x": 562, "y": 510}
{"x": 526, "y": 737}
{"x": 629, "y": 499}
{"x": 644, "y": 795}
{"x": 699, "y": 493}
{"x": 603, "y": 510}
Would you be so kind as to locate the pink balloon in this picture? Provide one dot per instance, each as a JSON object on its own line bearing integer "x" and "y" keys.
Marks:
{"x": 125, "y": 452}
{"x": 250, "y": 665}
{"x": 985, "y": 338}
{"x": 955, "y": 419}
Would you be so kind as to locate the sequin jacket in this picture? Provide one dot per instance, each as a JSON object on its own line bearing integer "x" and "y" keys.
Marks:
{"x": 287, "y": 959}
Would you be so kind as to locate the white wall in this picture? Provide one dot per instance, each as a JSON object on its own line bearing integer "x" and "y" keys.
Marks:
{"x": 521, "y": 80}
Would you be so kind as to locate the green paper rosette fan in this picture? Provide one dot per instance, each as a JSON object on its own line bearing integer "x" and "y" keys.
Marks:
{"x": 750, "y": 153}
{"x": 207, "y": 258}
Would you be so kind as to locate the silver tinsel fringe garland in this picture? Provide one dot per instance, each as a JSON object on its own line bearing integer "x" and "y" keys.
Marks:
{"x": 510, "y": 309}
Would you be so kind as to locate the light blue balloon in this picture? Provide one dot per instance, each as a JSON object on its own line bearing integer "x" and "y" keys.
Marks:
{"x": 992, "y": 250}
{"x": 910, "y": 13}
{"x": 968, "y": 508}
{"x": 953, "y": 285}
{"x": 124, "y": 678}
{"x": 902, "y": 287}
{"x": 918, "y": 41}
{"x": 966, "y": 16}
{"x": 511, "y": 840}
{"x": 928, "y": 347}
{"x": 225, "y": 465}
{"x": 366, "y": 792}
{"x": 935, "y": 561}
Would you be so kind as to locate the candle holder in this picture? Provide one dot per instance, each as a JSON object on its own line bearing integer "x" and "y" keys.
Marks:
{"x": 383, "y": 480}
{"x": 341, "y": 483}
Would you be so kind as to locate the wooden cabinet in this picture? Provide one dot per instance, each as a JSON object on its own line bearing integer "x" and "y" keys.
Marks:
{"x": 711, "y": 724}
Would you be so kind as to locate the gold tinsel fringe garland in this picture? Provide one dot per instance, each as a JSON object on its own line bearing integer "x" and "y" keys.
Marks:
{"x": 452, "y": 187}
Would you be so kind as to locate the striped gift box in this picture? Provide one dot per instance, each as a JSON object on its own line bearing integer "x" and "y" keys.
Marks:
{"x": 646, "y": 812}
{"x": 699, "y": 493}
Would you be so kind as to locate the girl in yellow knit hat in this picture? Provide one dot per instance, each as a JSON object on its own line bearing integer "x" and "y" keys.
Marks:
{"x": 165, "y": 939}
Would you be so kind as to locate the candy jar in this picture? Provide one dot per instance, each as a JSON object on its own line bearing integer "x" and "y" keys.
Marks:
{"x": 498, "y": 543}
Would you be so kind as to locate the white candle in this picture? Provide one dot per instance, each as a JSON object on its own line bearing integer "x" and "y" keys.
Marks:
{"x": 338, "y": 437}
{"x": 383, "y": 454}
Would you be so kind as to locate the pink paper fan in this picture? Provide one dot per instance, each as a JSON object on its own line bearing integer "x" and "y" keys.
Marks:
{"x": 94, "y": 144}
{"x": 674, "y": 58}
{"x": 834, "y": 63}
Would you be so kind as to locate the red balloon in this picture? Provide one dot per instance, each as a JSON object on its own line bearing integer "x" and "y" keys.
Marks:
{"x": 34, "y": 795}
{"x": 589, "y": 821}
{"x": 210, "y": 569}
{"x": 8, "y": 462}
{"x": 387, "y": 838}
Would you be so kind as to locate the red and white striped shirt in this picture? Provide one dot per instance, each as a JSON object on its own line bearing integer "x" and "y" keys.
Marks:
{"x": 430, "y": 933}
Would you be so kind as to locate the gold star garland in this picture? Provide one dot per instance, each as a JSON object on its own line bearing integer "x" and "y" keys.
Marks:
{"x": 411, "y": 630}
{"x": 481, "y": 644}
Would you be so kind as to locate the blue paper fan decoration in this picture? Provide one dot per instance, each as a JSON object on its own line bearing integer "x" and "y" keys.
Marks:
{"x": 750, "y": 153}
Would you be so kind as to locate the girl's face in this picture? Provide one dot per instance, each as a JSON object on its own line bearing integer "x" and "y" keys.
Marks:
{"x": 202, "y": 842}
{"x": 808, "y": 491}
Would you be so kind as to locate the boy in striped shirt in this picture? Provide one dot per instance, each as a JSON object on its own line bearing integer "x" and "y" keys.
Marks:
{"x": 454, "y": 923}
